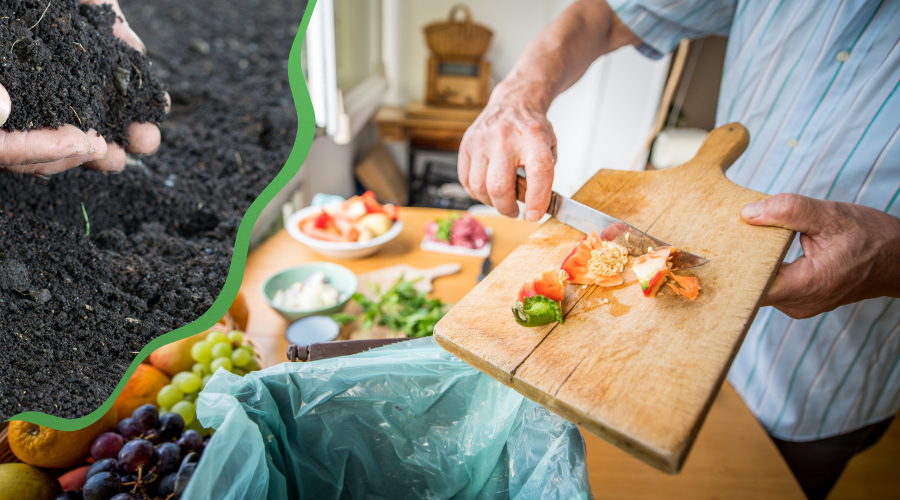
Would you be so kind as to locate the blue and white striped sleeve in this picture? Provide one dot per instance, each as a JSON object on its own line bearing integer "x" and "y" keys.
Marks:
{"x": 661, "y": 24}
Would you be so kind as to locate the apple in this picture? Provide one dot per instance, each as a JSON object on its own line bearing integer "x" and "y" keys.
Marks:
{"x": 175, "y": 357}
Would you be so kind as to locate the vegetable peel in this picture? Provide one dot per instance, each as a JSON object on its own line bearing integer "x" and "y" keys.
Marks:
{"x": 686, "y": 286}
{"x": 540, "y": 300}
{"x": 537, "y": 310}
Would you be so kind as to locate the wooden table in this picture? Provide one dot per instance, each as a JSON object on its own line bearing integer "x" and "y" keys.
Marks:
{"x": 281, "y": 251}
{"x": 733, "y": 456}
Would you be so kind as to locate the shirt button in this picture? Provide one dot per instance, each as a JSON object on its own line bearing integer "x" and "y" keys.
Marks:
{"x": 843, "y": 56}
{"x": 792, "y": 143}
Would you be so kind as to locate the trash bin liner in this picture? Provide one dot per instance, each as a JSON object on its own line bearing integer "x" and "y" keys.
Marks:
{"x": 405, "y": 421}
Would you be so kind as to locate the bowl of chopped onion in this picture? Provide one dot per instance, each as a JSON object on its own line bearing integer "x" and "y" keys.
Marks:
{"x": 316, "y": 288}
{"x": 350, "y": 229}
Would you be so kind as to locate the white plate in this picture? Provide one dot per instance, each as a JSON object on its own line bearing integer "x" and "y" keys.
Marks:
{"x": 338, "y": 250}
{"x": 483, "y": 252}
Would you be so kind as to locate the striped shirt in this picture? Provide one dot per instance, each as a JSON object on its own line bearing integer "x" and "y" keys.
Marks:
{"x": 815, "y": 82}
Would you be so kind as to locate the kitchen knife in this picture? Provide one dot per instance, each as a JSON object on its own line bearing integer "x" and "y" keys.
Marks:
{"x": 325, "y": 350}
{"x": 586, "y": 219}
{"x": 485, "y": 268}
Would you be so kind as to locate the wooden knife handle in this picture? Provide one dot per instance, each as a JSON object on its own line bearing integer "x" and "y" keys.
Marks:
{"x": 521, "y": 187}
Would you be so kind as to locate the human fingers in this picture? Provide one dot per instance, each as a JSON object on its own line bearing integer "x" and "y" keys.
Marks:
{"x": 23, "y": 147}
{"x": 500, "y": 179}
{"x": 791, "y": 287}
{"x": 5, "y": 105}
{"x": 120, "y": 27}
{"x": 477, "y": 184}
{"x": 472, "y": 163}
{"x": 48, "y": 168}
{"x": 791, "y": 211}
{"x": 798, "y": 291}
{"x": 463, "y": 162}
{"x": 144, "y": 138}
{"x": 114, "y": 161}
{"x": 539, "y": 163}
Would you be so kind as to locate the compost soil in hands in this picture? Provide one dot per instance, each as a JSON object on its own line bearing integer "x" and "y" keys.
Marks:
{"x": 76, "y": 308}
{"x": 62, "y": 64}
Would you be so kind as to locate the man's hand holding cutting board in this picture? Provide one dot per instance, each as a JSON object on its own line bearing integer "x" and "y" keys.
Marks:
{"x": 850, "y": 253}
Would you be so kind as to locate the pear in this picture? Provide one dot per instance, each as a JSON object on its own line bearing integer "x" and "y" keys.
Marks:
{"x": 26, "y": 482}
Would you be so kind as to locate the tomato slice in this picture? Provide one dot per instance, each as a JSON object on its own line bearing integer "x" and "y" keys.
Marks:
{"x": 547, "y": 284}
{"x": 372, "y": 205}
{"x": 595, "y": 262}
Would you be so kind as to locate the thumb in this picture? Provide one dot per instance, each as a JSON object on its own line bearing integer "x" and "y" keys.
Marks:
{"x": 5, "y": 105}
{"x": 790, "y": 211}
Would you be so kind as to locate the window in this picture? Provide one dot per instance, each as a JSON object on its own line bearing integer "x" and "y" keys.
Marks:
{"x": 346, "y": 76}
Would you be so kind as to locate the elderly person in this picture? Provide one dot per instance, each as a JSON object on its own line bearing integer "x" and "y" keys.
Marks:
{"x": 816, "y": 84}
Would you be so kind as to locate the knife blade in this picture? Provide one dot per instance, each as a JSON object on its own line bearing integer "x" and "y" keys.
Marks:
{"x": 586, "y": 219}
{"x": 485, "y": 268}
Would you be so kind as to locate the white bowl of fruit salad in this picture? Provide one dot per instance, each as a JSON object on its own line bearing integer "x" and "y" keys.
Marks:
{"x": 350, "y": 229}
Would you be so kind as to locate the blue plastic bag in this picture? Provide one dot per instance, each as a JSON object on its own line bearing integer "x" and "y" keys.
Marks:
{"x": 404, "y": 421}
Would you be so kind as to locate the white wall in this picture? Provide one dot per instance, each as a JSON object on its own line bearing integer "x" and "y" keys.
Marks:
{"x": 601, "y": 122}
{"x": 604, "y": 120}
{"x": 514, "y": 23}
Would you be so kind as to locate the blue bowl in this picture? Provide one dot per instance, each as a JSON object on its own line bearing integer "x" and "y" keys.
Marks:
{"x": 338, "y": 276}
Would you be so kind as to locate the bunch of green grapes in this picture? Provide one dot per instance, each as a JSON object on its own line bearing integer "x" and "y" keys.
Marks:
{"x": 218, "y": 350}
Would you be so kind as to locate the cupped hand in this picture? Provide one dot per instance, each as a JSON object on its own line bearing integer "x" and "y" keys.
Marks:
{"x": 48, "y": 151}
{"x": 512, "y": 131}
{"x": 850, "y": 253}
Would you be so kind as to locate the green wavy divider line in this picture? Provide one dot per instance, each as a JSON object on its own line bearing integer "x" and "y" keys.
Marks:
{"x": 305, "y": 131}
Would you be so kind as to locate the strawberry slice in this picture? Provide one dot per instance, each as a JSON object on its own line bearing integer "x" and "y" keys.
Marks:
{"x": 372, "y": 205}
{"x": 392, "y": 211}
{"x": 321, "y": 221}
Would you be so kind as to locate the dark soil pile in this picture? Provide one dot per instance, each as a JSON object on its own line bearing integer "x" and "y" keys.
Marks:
{"x": 62, "y": 64}
{"x": 75, "y": 309}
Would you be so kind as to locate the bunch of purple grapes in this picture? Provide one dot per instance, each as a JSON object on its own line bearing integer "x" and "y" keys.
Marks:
{"x": 148, "y": 457}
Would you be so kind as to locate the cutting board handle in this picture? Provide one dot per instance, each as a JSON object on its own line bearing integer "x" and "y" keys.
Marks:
{"x": 721, "y": 147}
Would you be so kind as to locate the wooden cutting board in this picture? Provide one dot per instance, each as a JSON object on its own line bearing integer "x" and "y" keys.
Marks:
{"x": 640, "y": 373}
{"x": 385, "y": 278}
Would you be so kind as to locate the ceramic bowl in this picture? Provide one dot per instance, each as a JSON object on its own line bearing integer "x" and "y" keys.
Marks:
{"x": 338, "y": 250}
{"x": 338, "y": 276}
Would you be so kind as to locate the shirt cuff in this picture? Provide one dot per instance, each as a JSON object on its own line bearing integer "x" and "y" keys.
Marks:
{"x": 658, "y": 36}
